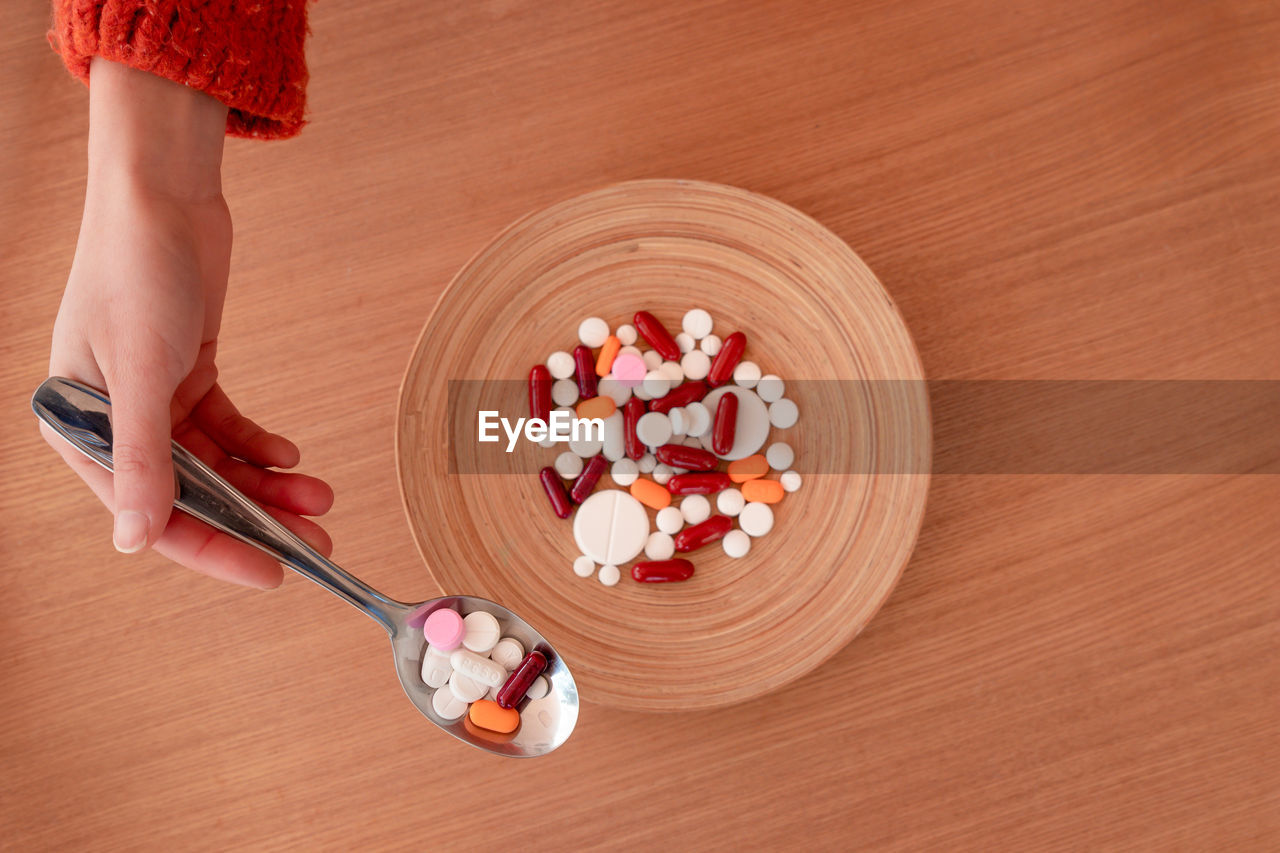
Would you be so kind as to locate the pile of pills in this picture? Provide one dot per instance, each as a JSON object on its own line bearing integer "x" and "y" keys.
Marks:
{"x": 673, "y": 413}
{"x": 478, "y": 673}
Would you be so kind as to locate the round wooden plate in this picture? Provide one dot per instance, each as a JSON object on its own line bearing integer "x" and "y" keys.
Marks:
{"x": 811, "y": 310}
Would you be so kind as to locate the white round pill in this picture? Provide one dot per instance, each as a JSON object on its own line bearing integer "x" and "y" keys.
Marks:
{"x": 679, "y": 424}
{"x": 610, "y": 527}
{"x": 753, "y": 422}
{"x": 509, "y": 652}
{"x": 639, "y": 393}
{"x": 564, "y": 392}
{"x": 711, "y": 344}
{"x": 568, "y": 464}
{"x": 730, "y": 502}
{"x": 670, "y": 519}
{"x": 662, "y": 473}
{"x": 609, "y": 575}
{"x": 624, "y": 472}
{"x": 696, "y": 364}
{"x": 736, "y": 543}
{"x": 593, "y": 331}
{"x": 783, "y": 414}
{"x": 770, "y": 388}
{"x": 560, "y": 364}
{"x": 685, "y": 342}
{"x": 746, "y": 374}
{"x": 699, "y": 419}
{"x": 653, "y": 429}
{"x": 673, "y": 371}
{"x": 586, "y": 447}
{"x": 482, "y": 632}
{"x": 697, "y": 323}
{"x": 630, "y": 350}
{"x": 656, "y": 384}
{"x": 610, "y": 387}
{"x": 447, "y": 706}
{"x": 660, "y": 546}
{"x": 756, "y": 518}
{"x": 790, "y": 481}
{"x": 626, "y": 335}
{"x": 652, "y": 359}
{"x": 584, "y": 566}
{"x": 695, "y": 509}
{"x": 647, "y": 463}
{"x": 538, "y": 689}
{"x": 780, "y": 456}
{"x": 467, "y": 689}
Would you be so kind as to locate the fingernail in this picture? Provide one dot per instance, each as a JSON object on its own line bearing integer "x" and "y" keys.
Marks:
{"x": 131, "y": 531}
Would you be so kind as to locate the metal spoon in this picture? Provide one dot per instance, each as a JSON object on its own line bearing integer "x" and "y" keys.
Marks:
{"x": 81, "y": 415}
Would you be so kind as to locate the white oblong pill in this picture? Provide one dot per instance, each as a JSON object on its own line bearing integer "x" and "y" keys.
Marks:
{"x": 670, "y": 519}
{"x": 730, "y": 502}
{"x": 653, "y": 429}
{"x": 685, "y": 342}
{"x": 560, "y": 365}
{"x": 697, "y": 323}
{"x": 756, "y": 518}
{"x": 790, "y": 481}
{"x": 711, "y": 345}
{"x": 584, "y": 566}
{"x": 660, "y": 546}
{"x": 662, "y": 473}
{"x": 609, "y": 576}
{"x": 614, "y": 446}
{"x": 695, "y": 509}
{"x": 699, "y": 419}
{"x": 481, "y": 669}
{"x": 736, "y": 543}
{"x": 678, "y": 422}
{"x": 652, "y": 359}
{"x": 624, "y": 472}
{"x": 446, "y": 705}
{"x": 482, "y": 632}
{"x": 753, "y": 421}
{"x": 770, "y": 388}
{"x": 539, "y": 688}
{"x": 746, "y": 374}
{"x": 593, "y": 332}
{"x": 696, "y": 364}
{"x": 610, "y": 387}
{"x": 656, "y": 384}
{"x": 568, "y": 464}
{"x": 783, "y": 414}
{"x": 780, "y": 456}
{"x": 672, "y": 371}
{"x": 628, "y": 531}
{"x": 647, "y": 463}
{"x": 436, "y": 668}
{"x": 630, "y": 350}
{"x": 465, "y": 688}
{"x": 626, "y": 335}
{"x": 564, "y": 392}
{"x": 508, "y": 653}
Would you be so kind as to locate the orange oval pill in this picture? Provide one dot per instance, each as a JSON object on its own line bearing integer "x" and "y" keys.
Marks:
{"x": 597, "y": 407}
{"x": 751, "y": 468}
{"x": 608, "y": 352}
{"x": 650, "y": 494}
{"x": 762, "y": 491}
{"x": 488, "y": 714}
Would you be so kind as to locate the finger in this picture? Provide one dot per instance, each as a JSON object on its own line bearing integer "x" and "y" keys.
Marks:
{"x": 141, "y": 454}
{"x": 241, "y": 437}
{"x": 311, "y": 533}
{"x": 199, "y": 547}
{"x": 297, "y": 493}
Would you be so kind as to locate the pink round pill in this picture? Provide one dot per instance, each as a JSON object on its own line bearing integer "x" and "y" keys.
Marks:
{"x": 444, "y": 629}
{"x": 629, "y": 369}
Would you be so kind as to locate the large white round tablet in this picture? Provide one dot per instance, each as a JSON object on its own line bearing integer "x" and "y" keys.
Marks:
{"x": 711, "y": 344}
{"x": 653, "y": 429}
{"x": 624, "y": 472}
{"x": 593, "y": 331}
{"x": 508, "y": 653}
{"x": 564, "y": 392}
{"x": 780, "y": 456}
{"x": 447, "y": 706}
{"x": 482, "y": 632}
{"x": 770, "y": 388}
{"x": 790, "y": 481}
{"x": 746, "y": 374}
{"x": 560, "y": 365}
{"x": 609, "y": 575}
{"x": 626, "y": 334}
{"x": 783, "y": 414}
{"x": 753, "y": 421}
{"x": 467, "y": 689}
{"x": 685, "y": 342}
{"x": 699, "y": 419}
{"x": 736, "y": 543}
{"x": 611, "y": 527}
{"x": 660, "y": 546}
{"x": 670, "y": 519}
{"x": 756, "y": 518}
{"x": 730, "y": 502}
{"x": 695, "y": 509}
{"x": 696, "y": 364}
{"x": 697, "y": 323}
{"x": 584, "y": 566}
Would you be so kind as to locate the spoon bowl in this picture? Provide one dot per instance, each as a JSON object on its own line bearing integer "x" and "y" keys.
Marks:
{"x": 82, "y": 417}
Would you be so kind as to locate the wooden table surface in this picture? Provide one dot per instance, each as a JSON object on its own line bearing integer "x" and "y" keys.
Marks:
{"x": 1048, "y": 190}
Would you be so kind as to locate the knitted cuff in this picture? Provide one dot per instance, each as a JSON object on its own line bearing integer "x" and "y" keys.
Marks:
{"x": 249, "y": 54}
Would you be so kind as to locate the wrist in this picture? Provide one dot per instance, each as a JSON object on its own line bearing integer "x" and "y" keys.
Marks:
{"x": 153, "y": 134}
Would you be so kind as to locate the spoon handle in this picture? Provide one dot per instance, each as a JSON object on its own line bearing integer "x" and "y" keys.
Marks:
{"x": 81, "y": 416}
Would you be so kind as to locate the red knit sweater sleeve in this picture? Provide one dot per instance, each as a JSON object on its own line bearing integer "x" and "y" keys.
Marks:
{"x": 249, "y": 54}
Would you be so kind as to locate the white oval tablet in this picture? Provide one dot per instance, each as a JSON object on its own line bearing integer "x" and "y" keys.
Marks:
{"x": 770, "y": 388}
{"x": 610, "y": 527}
{"x": 436, "y": 668}
{"x": 670, "y": 519}
{"x": 647, "y": 463}
{"x": 609, "y": 576}
{"x": 790, "y": 481}
{"x": 568, "y": 464}
{"x": 660, "y": 546}
{"x": 508, "y": 653}
{"x": 482, "y": 632}
{"x": 753, "y": 421}
{"x": 756, "y": 518}
{"x": 614, "y": 446}
{"x": 699, "y": 418}
{"x": 593, "y": 331}
{"x": 539, "y": 688}
{"x": 685, "y": 342}
{"x": 447, "y": 706}
{"x": 697, "y": 323}
{"x": 711, "y": 345}
{"x": 564, "y": 392}
{"x": 653, "y": 429}
{"x": 780, "y": 456}
{"x": 481, "y": 669}
{"x": 560, "y": 365}
{"x": 736, "y": 543}
{"x": 678, "y": 422}
{"x": 730, "y": 502}
{"x": 584, "y": 566}
{"x": 696, "y": 364}
{"x": 624, "y": 472}
{"x": 746, "y": 374}
{"x": 662, "y": 473}
{"x": 467, "y": 689}
{"x": 695, "y": 509}
{"x": 610, "y": 387}
{"x": 652, "y": 359}
{"x": 626, "y": 335}
{"x": 783, "y": 414}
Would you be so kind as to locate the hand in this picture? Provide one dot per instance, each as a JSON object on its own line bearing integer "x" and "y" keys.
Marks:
{"x": 140, "y": 317}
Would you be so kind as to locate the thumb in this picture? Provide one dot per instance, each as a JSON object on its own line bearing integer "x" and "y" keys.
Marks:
{"x": 143, "y": 462}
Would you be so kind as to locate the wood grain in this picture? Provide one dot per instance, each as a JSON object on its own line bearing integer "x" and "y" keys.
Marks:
{"x": 1047, "y": 190}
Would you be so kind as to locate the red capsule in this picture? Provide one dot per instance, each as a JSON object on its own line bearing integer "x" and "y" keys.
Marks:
{"x": 727, "y": 359}
{"x": 692, "y": 538}
{"x": 662, "y": 571}
{"x": 585, "y": 368}
{"x": 725, "y": 427}
{"x": 699, "y": 484}
{"x": 521, "y": 679}
{"x": 631, "y": 413}
{"x": 586, "y": 482}
{"x": 657, "y": 335}
{"x": 689, "y": 458}
{"x": 682, "y": 395}
{"x": 540, "y": 393}
{"x": 554, "y": 488}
